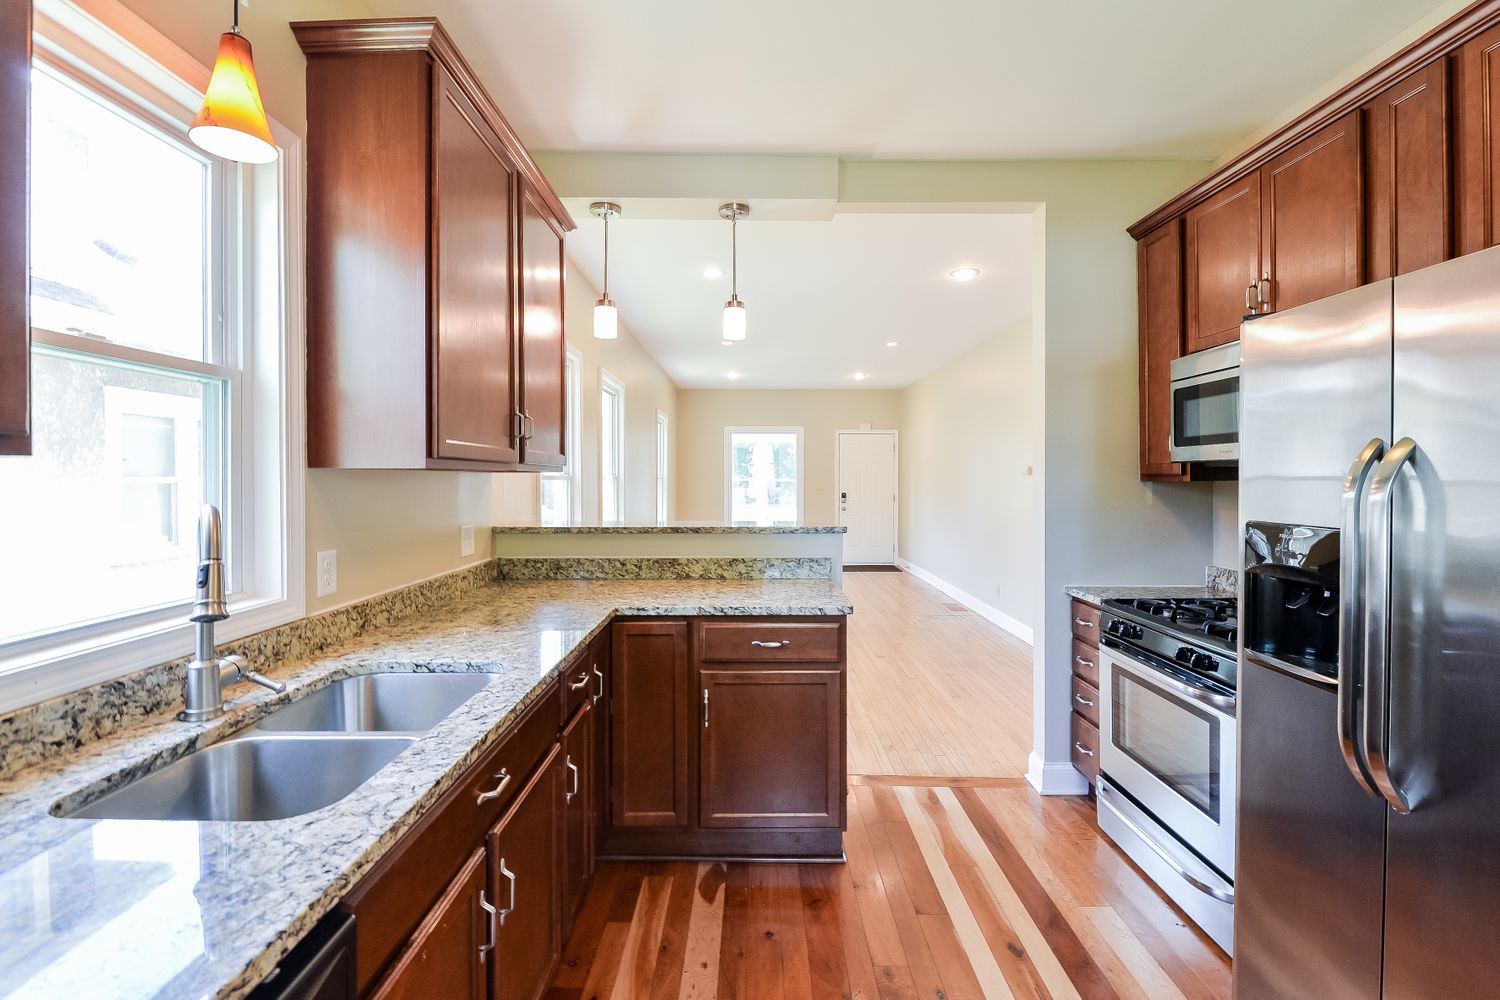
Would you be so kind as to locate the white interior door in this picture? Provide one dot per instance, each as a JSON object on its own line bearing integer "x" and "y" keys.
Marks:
{"x": 867, "y": 495}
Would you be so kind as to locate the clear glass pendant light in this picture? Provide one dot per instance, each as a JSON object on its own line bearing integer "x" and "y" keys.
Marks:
{"x": 734, "y": 309}
{"x": 606, "y": 316}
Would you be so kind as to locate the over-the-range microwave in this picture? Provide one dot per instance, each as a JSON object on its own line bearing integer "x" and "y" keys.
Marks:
{"x": 1206, "y": 405}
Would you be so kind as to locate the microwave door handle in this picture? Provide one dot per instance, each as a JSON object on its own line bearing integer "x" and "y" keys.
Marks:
{"x": 1375, "y": 731}
{"x": 1351, "y": 611}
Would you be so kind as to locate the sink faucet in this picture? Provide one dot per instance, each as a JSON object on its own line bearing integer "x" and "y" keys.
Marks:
{"x": 208, "y": 673}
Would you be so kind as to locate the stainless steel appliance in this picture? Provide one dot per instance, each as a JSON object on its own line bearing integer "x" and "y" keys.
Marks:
{"x": 1167, "y": 748}
{"x": 1206, "y": 405}
{"x": 1368, "y": 857}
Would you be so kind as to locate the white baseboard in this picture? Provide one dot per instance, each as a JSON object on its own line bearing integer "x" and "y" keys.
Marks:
{"x": 1016, "y": 628}
{"x": 1055, "y": 779}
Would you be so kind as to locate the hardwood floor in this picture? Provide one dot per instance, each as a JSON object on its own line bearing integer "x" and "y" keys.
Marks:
{"x": 961, "y": 883}
{"x": 934, "y": 689}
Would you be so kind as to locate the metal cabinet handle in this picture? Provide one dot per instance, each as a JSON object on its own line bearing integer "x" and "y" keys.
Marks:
{"x": 1082, "y": 749}
{"x": 1263, "y": 292}
{"x": 494, "y": 793}
{"x": 1084, "y": 622}
{"x": 510, "y": 876}
{"x": 1082, "y": 700}
{"x": 1251, "y": 295}
{"x": 598, "y": 684}
{"x": 705, "y": 708}
{"x": 1377, "y": 713}
{"x": 770, "y": 645}
{"x": 582, "y": 680}
{"x": 486, "y": 906}
{"x": 573, "y": 768}
{"x": 1083, "y": 662}
{"x": 1352, "y": 611}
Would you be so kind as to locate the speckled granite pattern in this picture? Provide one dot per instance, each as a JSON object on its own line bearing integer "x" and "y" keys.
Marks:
{"x": 671, "y": 528}
{"x": 665, "y": 568}
{"x": 1098, "y": 595}
{"x": 113, "y": 908}
{"x": 1222, "y": 581}
{"x": 67, "y": 722}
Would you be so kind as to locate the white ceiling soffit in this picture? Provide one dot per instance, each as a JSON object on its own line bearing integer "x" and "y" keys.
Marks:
{"x": 823, "y": 297}
{"x": 896, "y": 79}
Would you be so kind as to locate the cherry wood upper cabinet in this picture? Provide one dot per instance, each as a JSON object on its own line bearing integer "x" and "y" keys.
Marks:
{"x": 1476, "y": 89}
{"x": 543, "y": 353}
{"x": 1223, "y": 246}
{"x": 525, "y": 886}
{"x": 415, "y": 184}
{"x": 447, "y": 954}
{"x": 1159, "y": 294}
{"x": 650, "y": 742}
{"x": 1408, "y": 166}
{"x": 1314, "y": 213}
{"x": 15, "y": 209}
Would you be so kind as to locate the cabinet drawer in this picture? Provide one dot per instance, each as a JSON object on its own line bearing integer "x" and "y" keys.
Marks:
{"x": 1085, "y": 618}
{"x": 579, "y": 683}
{"x": 1086, "y": 662}
{"x": 780, "y": 641}
{"x": 1085, "y": 699}
{"x": 515, "y": 758}
{"x": 1085, "y": 750}
{"x": 446, "y": 955}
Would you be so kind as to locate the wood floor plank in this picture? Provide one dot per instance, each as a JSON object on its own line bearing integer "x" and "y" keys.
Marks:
{"x": 672, "y": 956}
{"x": 762, "y": 971}
{"x": 874, "y": 908}
{"x": 827, "y": 971}
{"x": 919, "y": 885}
{"x": 705, "y": 936}
{"x": 856, "y": 949}
{"x": 606, "y": 965}
{"x": 593, "y": 914}
{"x": 643, "y": 942}
{"x": 796, "y": 964}
{"x": 736, "y": 929}
{"x": 954, "y": 968}
{"x": 920, "y": 965}
{"x": 1154, "y": 981}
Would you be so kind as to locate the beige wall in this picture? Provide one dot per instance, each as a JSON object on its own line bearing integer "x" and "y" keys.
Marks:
{"x": 966, "y": 484}
{"x": 706, "y": 412}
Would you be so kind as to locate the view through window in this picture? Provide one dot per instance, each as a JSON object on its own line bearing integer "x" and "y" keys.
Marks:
{"x": 765, "y": 467}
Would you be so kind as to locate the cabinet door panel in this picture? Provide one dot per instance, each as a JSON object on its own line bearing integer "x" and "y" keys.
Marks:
{"x": 771, "y": 748}
{"x": 444, "y": 958}
{"x": 1410, "y": 202}
{"x": 15, "y": 268}
{"x": 577, "y": 806}
{"x": 649, "y": 743}
{"x": 1223, "y": 257}
{"x": 524, "y": 884}
{"x": 599, "y": 723}
{"x": 1159, "y": 290}
{"x": 1313, "y": 205}
{"x": 542, "y": 350}
{"x": 472, "y": 352}
{"x": 1476, "y": 97}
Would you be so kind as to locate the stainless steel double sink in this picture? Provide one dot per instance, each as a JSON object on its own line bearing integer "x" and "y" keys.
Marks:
{"x": 306, "y": 755}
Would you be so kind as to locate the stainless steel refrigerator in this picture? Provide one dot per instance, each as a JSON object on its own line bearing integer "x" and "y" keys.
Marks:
{"x": 1368, "y": 849}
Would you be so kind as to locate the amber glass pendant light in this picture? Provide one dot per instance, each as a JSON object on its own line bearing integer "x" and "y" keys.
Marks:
{"x": 232, "y": 122}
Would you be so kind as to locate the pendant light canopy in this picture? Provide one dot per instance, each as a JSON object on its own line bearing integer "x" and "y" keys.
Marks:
{"x": 734, "y": 309}
{"x": 606, "y": 316}
{"x": 232, "y": 122}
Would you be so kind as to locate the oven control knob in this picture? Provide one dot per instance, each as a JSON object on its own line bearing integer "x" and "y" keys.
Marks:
{"x": 1195, "y": 659}
{"x": 1123, "y": 629}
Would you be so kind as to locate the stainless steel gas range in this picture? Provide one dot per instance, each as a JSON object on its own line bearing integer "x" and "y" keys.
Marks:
{"x": 1167, "y": 748}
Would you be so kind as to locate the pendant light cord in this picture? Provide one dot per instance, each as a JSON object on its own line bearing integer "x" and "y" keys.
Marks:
{"x": 234, "y": 7}
{"x": 734, "y": 256}
{"x": 606, "y": 255}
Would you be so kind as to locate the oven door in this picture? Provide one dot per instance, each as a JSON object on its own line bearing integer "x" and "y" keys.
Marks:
{"x": 1206, "y": 417}
{"x": 1170, "y": 745}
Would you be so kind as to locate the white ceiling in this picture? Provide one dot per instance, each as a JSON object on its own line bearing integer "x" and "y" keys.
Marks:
{"x": 894, "y": 78}
{"x": 822, "y": 297}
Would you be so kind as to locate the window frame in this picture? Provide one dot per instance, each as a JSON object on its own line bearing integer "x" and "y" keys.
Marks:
{"x": 663, "y": 467}
{"x": 729, "y": 433}
{"x": 611, "y": 386}
{"x": 572, "y": 424}
{"x": 256, "y": 342}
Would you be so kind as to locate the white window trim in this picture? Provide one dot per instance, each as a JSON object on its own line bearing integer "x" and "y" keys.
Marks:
{"x": 663, "y": 468}
{"x": 729, "y": 433}
{"x": 608, "y": 383}
{"x": 88, "y": 35}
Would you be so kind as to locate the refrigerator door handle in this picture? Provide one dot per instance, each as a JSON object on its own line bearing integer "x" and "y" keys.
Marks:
{"x": 1375, "y": 732}
{"x": 1351, "y": 611}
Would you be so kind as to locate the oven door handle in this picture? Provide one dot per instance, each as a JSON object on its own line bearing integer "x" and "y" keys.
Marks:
{"x": 1222, "y": 703}
{"x": 1222, "y": 895}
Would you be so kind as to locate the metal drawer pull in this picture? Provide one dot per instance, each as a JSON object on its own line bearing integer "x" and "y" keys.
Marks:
{"x": 485, "y": 905}
{"x": 494, "y": 793}
{"x": 510, "y": 877}
{"x": 568, "y": 796}
{"x": 1082, "y": 662}
{"x": 582, "y": 680}
{"x": 705, "y": 708}
{"x": 1082, "y": 749}
{"x": 770, "y": 645}
{"x": 598, "y": 683}
{"x": 1082, "y": 700}
{"x": 1084, "y": 622}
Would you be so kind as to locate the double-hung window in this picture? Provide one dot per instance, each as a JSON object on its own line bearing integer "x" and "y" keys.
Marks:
{"x": 161, "y": 336}
{"x": 611, "y": 449}
{"x": 560, "y": 492}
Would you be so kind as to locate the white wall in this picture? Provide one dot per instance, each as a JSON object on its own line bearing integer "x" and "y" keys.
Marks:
{"x": 819, "y": 412}
{"x": 1228, "y": 550}
{"x": 966, "y": 484}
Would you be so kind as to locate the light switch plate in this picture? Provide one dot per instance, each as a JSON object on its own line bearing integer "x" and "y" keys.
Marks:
{"x": 328, "y": 572}
{"x": 466, "y": 540}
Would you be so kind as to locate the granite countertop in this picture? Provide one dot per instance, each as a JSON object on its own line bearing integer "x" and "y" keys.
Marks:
{"x": 671, "y": 528}
{"x": 1098, "y": 595}
{"x": 117, "y": 908}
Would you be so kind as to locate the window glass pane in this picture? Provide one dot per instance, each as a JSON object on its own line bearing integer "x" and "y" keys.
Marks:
{"x": 610, "y": 459}
{"x": 118, "y": 226}
{"x": 102, "y": 517}
{"x": 763, "y": 478}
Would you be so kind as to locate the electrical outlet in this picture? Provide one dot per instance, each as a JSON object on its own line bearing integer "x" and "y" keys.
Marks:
{"x": 328, "y": 572}
{"x": 466, "y": 540}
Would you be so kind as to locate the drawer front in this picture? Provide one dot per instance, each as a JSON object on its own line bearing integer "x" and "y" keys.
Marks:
{"x": 578, "y": 683}
{"x": 1086, "y": 699}
{"x": 1085, "y": 750}
{"x": 1086, "y": 662}
{"x": 1086, "y": 622}
{"x": 506, "y": 769}
{"x": 770, "y": 641}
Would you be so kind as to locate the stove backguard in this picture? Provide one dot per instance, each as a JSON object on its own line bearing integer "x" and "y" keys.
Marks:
{"x": 1291, "y": 600}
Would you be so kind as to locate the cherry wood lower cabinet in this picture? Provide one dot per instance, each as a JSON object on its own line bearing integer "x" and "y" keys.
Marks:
{"x": 448, "y": 954}
{"x": 578, "y": 817}
{"x": 525, "y": 879}
{"x": 650, "y": 740}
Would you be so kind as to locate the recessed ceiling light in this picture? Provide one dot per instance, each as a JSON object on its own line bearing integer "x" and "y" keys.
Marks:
{"x": 964, "y": 273}
{"x": 859, "y": 376}
{"x": 712, "y": 272}
{"x": 731, "y": 376}
{"x": 892, "y": 343}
